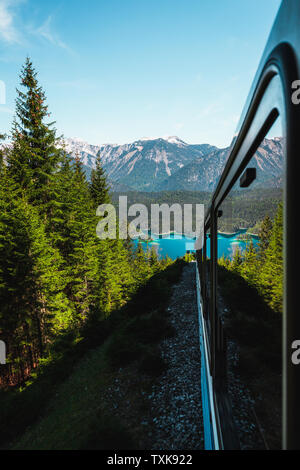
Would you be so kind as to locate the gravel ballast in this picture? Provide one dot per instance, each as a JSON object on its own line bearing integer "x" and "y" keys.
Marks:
{"x": 176, "y": 398}
{"x": 165, "y": 413}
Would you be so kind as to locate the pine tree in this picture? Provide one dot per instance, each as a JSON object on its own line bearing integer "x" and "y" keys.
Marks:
{"x": 236, "y": 260}
{"x": 248, "y": 268}
{"x": 34, "y": 156}
{"x": 33, "y": 303}
{"x": 98, "y": 187}
{"x": 2, "y": 137}
{"x": 166, "y": 261}
{"x": 224, "y": 261}
{"x": 78, "y": 242}
{"x": 54, "y": 271}
{"x": 117, "y": 280}
{"x": 264, "y": 237}
{"x": 271, "y": 274}
{"x": 153, "y": 260}
{"x": 141, "y": 265}
{"x": 61, "y": 195}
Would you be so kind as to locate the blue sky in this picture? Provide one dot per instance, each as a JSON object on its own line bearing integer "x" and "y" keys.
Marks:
{"x": 118, "y": 70}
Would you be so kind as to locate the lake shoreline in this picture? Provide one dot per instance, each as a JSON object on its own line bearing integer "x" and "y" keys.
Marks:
{"x": 176, "y": 245}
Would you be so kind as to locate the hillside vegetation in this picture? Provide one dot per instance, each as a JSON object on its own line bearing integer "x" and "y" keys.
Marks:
{"x": 63, "y": 291}
{"x": 244, "y": 208}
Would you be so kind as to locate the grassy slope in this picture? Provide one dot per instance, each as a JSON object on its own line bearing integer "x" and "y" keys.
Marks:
{"x": 63, "y": 408}
{"x": 72, "y": 413}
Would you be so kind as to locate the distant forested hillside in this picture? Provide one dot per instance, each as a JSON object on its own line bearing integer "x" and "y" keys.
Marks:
{"x": 247, "y": 208}
{"x": 243, "y": 208}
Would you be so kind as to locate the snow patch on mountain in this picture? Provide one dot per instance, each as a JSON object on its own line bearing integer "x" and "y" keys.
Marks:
{"x": 169, "y": 163}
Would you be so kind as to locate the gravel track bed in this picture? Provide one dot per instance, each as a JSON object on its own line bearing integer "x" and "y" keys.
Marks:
{"x": 166, "y": 413}
{"x": 176, "y": 398}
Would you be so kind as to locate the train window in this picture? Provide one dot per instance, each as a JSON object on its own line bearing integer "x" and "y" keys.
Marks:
{"x": 250, "y": 293}
{"x": 207, "y": 278}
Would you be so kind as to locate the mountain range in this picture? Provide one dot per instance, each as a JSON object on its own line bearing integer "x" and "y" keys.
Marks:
{"x": 158, "y": 164}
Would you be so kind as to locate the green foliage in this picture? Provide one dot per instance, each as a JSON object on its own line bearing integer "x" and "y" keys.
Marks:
{"x": 34, "y": 155}
{"x": 188, "y": 257}
{"x": 98, "y": 186}
{"x": 251, "y": 286}
{"x": 262, "y": 268}
{"x": 271, "y": 272}
{"x": 236, "y": 260}
{"x": 248, "y": 267}
{"x": 264, "y": 233}
{"x": 75, "y": 372}
{"x": 252, "y": 321}
{"x": 153, "y": 259}
{"x": 55, "y": 274}
{"x": 247, "y": 208}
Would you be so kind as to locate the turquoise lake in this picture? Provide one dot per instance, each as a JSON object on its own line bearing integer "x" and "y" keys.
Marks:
{"x": 176, "y": 245}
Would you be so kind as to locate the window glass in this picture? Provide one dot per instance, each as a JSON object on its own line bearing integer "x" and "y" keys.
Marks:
{"x": 250, "y": 292}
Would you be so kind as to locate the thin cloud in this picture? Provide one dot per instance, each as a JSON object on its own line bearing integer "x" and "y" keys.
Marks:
{"x": 13, "y": 35}
{"x": 8, "y": 31}
{"x": 46, "y": 32}
{"x": 211, "y": 109}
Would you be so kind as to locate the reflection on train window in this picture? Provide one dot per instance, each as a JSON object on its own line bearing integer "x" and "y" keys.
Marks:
{"x": 250, "y": 293}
